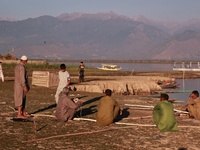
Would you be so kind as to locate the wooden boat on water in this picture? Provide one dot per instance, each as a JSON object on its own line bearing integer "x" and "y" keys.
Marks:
{"x": 168, "y": 84}
{"x": 110, "y": 67}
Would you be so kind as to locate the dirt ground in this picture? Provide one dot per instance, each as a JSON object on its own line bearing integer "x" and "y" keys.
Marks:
{"x": 43, "y": 132}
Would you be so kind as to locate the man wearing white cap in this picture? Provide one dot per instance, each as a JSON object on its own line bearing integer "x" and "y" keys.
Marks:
{"x": 21, "y": 87}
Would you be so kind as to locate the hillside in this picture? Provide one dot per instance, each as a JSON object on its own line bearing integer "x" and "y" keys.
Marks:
{"x": 97, "y": 36}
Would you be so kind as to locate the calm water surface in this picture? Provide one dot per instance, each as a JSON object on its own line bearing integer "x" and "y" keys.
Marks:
{"x": 128, "y": 66}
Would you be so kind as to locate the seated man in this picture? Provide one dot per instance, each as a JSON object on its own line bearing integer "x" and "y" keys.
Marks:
{"x": 108, "y": 109}
{"x": 66, "y": 108}
{"x": 193, "y": 105}
{"x": 163, "y": 115}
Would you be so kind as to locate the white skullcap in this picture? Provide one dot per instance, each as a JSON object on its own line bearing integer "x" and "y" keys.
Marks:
{"x": 24, "y": 57}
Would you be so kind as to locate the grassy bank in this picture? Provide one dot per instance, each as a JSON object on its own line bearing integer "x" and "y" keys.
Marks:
{"x": 73, "y": 70}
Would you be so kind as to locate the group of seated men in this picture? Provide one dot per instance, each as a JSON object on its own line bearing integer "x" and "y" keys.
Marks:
{"x": 109, "y": 109}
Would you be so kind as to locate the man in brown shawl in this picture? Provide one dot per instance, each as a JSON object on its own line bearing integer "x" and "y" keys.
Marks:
{"x": 193, "y": 105}
{"x": 108, "y": 109}
{"x": 21, "y": 87}
{"x": 66, "y": 108}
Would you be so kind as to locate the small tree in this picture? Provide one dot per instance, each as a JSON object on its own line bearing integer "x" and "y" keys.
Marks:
{"x": 1, "y": 57}
{"x": 7, "y": 56}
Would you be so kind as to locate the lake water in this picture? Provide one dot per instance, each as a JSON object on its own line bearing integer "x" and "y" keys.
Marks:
{"x": 181, "y": 93}
{"x": 127, "y": 66}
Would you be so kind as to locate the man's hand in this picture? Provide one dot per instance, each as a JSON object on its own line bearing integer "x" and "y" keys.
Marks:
{"x": 81, "y": 102}
{"x": 183, "y": 107}
{"x": 120, "y": 113}
{"x": 25, "y": 90}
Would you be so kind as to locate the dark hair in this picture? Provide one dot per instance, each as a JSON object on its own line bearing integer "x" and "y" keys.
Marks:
{"x": 62, "y": 66}
{"x": 195, "y": 92}
{"x": 65, "y": 90}
{"x": 165, "y": 96}
{"x": 81, "y": 62}
{"x": 108, "y": 92}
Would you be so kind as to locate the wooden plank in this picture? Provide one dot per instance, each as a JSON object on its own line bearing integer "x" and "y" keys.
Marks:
{"x": 45, "y": 78}
{"x": 40, "y": 78}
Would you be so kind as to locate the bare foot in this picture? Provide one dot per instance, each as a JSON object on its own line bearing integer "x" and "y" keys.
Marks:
{"x": 26, "y": 114}
{"x": 70, "y": 120}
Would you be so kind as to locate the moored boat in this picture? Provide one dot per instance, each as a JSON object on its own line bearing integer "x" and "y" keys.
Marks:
{"x": 110, "y": 67}
{"x": 168, "y": 84}
{"x": 186, "y": 67}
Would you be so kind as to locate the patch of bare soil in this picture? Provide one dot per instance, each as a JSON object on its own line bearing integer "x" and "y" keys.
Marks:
{"x": 43, "y": 132}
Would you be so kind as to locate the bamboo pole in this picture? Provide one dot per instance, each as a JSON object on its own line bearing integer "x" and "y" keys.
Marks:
{"x": 42, "y": 115}
{"x": 141, "y": 108}
{"x": 144, "y": 117}
{"x": 12, "y": 108}
{"x": 181, "y": 111}
{"x": 97, "y": 131}
{"x": 74, "y": 134}
{"x": 85, "y": 119}
{"x": 34, "y": 126}
{"x": 132, "y": 105}
{"x": 132, "y": 124}
{"x": 2, "y": 103}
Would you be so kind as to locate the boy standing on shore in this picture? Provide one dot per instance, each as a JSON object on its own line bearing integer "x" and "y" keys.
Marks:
{"x": 64, "y": 81}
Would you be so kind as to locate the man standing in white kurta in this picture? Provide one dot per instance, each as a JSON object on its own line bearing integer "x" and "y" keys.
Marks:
{"x": 64, "y": 81}
{"x": 1, "y": 72}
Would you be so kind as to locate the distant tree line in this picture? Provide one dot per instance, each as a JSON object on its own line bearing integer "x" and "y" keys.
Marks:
{"x": 7, "y": 56}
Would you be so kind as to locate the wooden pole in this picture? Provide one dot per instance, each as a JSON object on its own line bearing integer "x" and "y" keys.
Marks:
{"x": 42, "y": 115}
{"x": 132, "y": 105}
{"x": 176, "y": 110}
{"x": 34, "y": 126}
{"x": 73, "y": 134}
{"x": 144, "y": 117}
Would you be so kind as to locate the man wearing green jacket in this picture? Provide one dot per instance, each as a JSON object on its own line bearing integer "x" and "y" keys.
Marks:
{"x": 163, "y": 115}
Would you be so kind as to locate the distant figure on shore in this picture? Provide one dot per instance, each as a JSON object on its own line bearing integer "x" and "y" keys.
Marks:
{"x": 108, "y": 109}
{"x": 21, "y": 87}
{"x": 1, "y": 72}
{"x": 163, "y": 115}
{"x": 64, "y": 81}
{"x": 193, "y": 105}
{"x": 81, "y": 72}
{"x": 66, "y": 107}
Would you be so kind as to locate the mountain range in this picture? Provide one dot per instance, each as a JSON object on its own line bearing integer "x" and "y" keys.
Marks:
{"x": 100, "y": 36}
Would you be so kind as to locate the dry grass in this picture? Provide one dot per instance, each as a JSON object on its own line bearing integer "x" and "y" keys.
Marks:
{"x": 40, "y": 100}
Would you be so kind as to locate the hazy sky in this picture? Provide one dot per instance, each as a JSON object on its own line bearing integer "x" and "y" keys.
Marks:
{"x": 161, "y": 10}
